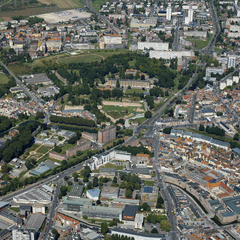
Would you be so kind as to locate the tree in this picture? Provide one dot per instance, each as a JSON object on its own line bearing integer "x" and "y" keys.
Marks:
{"x": 89, "y": 186}
{"x": 95, "y": 182}
{"x": 115, "y": 179}
{"x": 66, "y": 178}
{"x": 165, "y": 225}
{"x": 167, "y": 130}
{"x": 148, "y": 114}
{"x": 122, "y": 184}
{"x": 201, "y": 127}
{"x": 154, "y": 230}
{"x": 146, "y": 207}
{"x": 55, "y": 232}
{"x": 104, "y": 228}
{"x": 128, "y": 193}
{"x": 5, "y": 168}
{"x": 236, "y": 137}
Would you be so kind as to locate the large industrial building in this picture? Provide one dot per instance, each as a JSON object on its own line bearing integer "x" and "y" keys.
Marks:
{"x": 102, "y": 212}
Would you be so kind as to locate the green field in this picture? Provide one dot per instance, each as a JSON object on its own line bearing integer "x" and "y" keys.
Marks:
{"x": 62, "y": 3}
{"x": 96, "y": 4}
{"x": 66, "y": 147}
{"x": 200, "y": 44}
{"x": 65, "y": 58}
{"x": 149, "y": 183}
{"x": 132, "y": 90}
{"x": 117, "y": 111}
{"x": 110, "y": 165}
{"x": 3, "y": 78}
{"x": 43, "y": 149}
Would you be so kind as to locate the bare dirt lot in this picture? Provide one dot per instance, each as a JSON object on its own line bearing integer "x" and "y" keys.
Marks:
{"x": 67, "y": 107}
{"x": 122, "y": 104}
{"x": 64, "y": 16}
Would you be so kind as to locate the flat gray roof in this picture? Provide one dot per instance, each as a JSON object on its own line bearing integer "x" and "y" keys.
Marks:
{"x": 34, "y": 222}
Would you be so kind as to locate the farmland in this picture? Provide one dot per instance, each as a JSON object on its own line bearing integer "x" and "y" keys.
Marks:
{"x": 63, "y": 4}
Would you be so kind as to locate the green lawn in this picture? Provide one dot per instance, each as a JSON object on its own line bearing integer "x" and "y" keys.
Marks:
{"x": 149, "y": 183}
{"x": 3, "y": 78}
{"x": 96, "y": 4}
{"x": 110, "y": 165}
{"x": 117, "y": 111}
{"x": 15, "y": 209}
{"x": 66, "y": 146}
{"x": 200, "y": 44}
{"x": 132, "y": 90}
{"x": 43, "y": 149}
{"x": 139, "y": 120}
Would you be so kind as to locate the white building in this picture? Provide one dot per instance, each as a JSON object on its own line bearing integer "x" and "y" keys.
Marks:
{"x": 222, "y": 85}
{"x": 139, "y": 220}
{"x": 112, "y": 39}
{"x": 153, "y": 45}
{"x": 93, "y": 194}
{"x": 231, "y": 62}
{"x": 104, "y": 158}
{"x": 190, "y": 14}
{"x": 171, "y": 54}
{"x": 38, "y": 208}
{"x": 169, "y": 12}
{"x": 23, "y": 235}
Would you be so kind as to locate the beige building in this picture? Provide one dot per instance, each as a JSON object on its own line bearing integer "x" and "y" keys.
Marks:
{"x": 126, "y": 83}
{"x": 89, "y": 136}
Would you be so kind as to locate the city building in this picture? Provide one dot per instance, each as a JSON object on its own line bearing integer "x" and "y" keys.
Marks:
{"x": 102, "y": 212}
{"x": 107, "y": 134}
{"x": 130, "y": 212}
{"x": 89, "y": 136}
{"x": 58, "y": 156}
{"x": 23, "y": 234}
{"x": 93, "y": 194}
{"x": 169, "y": 13}
{"x": 109, "y": 192}
{"x": 153, "y": 46}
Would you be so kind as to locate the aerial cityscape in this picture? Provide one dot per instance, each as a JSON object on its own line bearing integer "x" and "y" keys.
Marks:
{"x": 119, "y": 120}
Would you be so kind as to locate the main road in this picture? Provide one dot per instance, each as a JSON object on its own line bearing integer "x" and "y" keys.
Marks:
{"x": 164, "y": 191}
{"x": 28, "y": 93}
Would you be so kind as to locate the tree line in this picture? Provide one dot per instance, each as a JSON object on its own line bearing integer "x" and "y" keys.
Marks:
{"x": 14, "y": 147}
{"x": 74, "y": 120}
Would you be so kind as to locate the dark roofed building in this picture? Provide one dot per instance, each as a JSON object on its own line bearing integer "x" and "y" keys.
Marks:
{"x": 129, "y": 212}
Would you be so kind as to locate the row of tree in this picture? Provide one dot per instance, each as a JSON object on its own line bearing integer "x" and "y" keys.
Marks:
{"x": 15, "y": 147}
{"x": 74, "y": 120}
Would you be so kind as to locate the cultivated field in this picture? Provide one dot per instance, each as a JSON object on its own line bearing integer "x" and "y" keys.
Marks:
{"x": 62, "y": 3}
{"x": 23, "y": 12}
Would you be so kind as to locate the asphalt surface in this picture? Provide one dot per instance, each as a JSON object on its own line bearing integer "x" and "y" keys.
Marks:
{"x": 164, "y": 191}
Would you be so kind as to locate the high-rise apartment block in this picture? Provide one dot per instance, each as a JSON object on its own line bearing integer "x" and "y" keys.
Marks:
{"x": 106, "y": 135}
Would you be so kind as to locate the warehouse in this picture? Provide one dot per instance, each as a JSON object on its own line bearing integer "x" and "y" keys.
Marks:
{"x": 102, "y": 212}
{"x": 76, "y": 204}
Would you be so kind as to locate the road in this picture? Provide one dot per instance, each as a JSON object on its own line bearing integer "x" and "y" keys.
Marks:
{"x": 52, "y": 212}
{"x": 114, "y": 28}
{"x": 28, "y": 93}
{"x": 164, "y": 191}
